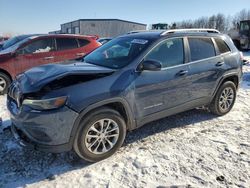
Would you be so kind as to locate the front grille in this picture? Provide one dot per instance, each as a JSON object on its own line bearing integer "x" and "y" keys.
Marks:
{"x": 15, "y": 93}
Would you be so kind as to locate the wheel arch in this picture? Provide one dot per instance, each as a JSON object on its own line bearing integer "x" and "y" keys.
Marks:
{"x": 229, "y": 77}
{"x": 118, "y": 104}
{"x": 7, "y": 73}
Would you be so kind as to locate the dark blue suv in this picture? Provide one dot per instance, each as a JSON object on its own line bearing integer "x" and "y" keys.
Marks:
{"x": 89, "y": 105}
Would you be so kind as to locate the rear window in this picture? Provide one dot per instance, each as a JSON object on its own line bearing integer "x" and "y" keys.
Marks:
{"x": 66, "y": 43}
{"x": 83, "y": 42}
{"x": 201, "y": 48}
{"x": 222, "y": 46}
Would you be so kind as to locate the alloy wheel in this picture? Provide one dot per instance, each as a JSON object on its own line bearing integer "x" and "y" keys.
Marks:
{"x": 2, "y": 84}
{"x": 102, "y": 136}
{"x": 226, "y": 99}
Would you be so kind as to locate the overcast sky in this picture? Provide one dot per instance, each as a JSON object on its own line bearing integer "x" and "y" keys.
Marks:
{"x": 42, "y": 16}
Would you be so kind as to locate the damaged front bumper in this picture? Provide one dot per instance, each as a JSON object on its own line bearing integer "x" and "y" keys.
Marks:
{"x": 42, "y": 130}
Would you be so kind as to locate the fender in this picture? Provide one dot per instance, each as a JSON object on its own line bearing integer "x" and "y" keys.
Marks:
{"x": 131, "y": 120}
{"x": 225, "y": 76}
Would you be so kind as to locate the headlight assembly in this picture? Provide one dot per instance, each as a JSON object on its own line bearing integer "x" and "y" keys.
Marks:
{"x": 46, "y": 104}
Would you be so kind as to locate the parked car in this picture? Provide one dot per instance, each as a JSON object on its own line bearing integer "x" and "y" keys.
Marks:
{"x": 132, "y": 80}
{"x": 104, "y": 40}
{"x": 2, "y": 40}
{"x": 12, "y": 41}
{"x": 37, "y": 50}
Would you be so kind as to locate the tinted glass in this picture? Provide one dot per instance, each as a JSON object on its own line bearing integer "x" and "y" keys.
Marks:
{"x": 66, "y": 43}
{"x": 168, "y": 53}
{"x": 222, "y": 46}
{"x": 117, "y": 53}
{"x": 201, "y": 48}
{"x": 39, "y": 46}
{"x": 83, "y": 42}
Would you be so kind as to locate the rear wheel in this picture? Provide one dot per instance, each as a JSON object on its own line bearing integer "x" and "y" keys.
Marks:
{"x": 4, "y": 83}
{"x": 100, "y": 135}
{"x": 224, "y": 99}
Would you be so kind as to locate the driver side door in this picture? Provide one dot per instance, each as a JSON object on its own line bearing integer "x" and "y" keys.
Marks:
{"x": 168, "y": 88}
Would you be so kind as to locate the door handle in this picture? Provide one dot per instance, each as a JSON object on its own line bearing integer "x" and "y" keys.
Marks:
{"x": 182, "y": 72}
{"x": 48, "y": 58}
{"x": 219, "y": 64}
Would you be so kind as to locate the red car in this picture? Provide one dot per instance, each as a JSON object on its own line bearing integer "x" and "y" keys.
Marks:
{"x": 42, "y": 49}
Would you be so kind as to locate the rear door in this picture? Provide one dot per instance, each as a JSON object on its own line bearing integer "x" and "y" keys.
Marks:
{"x": 205, "y": 66}
{"x": 66, "y": 49}
{"x": 37, "y": 52}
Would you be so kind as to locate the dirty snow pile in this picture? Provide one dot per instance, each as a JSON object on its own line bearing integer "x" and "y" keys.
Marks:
{"x": 191, "y": 149}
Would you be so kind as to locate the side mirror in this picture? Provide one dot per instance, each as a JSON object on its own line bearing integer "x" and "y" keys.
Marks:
{"x": 151, "y": 65}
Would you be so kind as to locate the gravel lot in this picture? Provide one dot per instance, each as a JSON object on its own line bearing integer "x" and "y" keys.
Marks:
{"x": 191, "y": 149}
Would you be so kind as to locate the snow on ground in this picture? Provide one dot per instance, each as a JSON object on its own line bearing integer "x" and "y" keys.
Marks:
{"x": 191, "y": 149}
{"x": 247, "y": 55}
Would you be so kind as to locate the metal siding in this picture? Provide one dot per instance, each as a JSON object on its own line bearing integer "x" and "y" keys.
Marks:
{"x": 108, "y": 28}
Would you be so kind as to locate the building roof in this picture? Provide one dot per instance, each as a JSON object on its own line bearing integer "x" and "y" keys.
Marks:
{"x": 107, "y": 20}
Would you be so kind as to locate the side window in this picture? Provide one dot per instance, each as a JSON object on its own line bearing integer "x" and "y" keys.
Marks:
{"x": 168, "y": 53}
{"x": 222, "y": 46}
{"x": 201, "y": 48}
{"x": 39, "y": 46}
{"x": 66, "y": 43}
{"x": 83, "y": 42}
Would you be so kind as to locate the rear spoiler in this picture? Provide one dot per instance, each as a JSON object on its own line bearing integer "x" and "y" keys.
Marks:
{"x": 95, "y": 37}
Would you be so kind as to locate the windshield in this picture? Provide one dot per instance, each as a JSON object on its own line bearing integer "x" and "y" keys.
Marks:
{"x": 118, "y": 52}
{"x": 13, "y": 41}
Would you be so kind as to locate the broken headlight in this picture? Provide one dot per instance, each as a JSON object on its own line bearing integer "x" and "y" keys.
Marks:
{"x": 46, "y": 104}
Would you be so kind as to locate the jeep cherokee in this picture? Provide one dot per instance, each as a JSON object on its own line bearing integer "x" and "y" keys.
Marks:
{"x": 89, "y": 105}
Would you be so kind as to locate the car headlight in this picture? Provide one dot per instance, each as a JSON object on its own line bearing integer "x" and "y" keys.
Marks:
{"x": 46, "y": 104}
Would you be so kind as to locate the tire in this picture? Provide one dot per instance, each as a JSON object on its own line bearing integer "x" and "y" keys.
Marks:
{"x": 221, "y": 105}
{"x": 4, "y": 83}
{"x": 86, "y": 144}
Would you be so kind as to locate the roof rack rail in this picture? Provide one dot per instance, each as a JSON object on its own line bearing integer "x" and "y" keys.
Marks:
{"x": 189, "y": 30}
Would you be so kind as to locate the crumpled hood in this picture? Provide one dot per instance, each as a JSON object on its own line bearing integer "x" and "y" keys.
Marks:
{"x": 37, "y": 77}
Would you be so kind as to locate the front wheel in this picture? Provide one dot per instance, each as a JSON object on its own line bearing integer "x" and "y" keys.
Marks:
{"x": 4, "y": 83}
{"x": 224, "y": 99}
{"x": 100, "y": 135}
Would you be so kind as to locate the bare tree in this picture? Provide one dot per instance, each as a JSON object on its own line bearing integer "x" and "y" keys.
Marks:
{"x": 228, "y": 23}
{"x": 173, "y": 26}
{"x": 212, "y": 22}
{"x": 242, "y": 15}
{"x": 220, "y": 21}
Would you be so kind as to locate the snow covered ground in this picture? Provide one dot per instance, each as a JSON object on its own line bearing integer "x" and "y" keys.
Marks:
{"x": 191, "y": 149}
